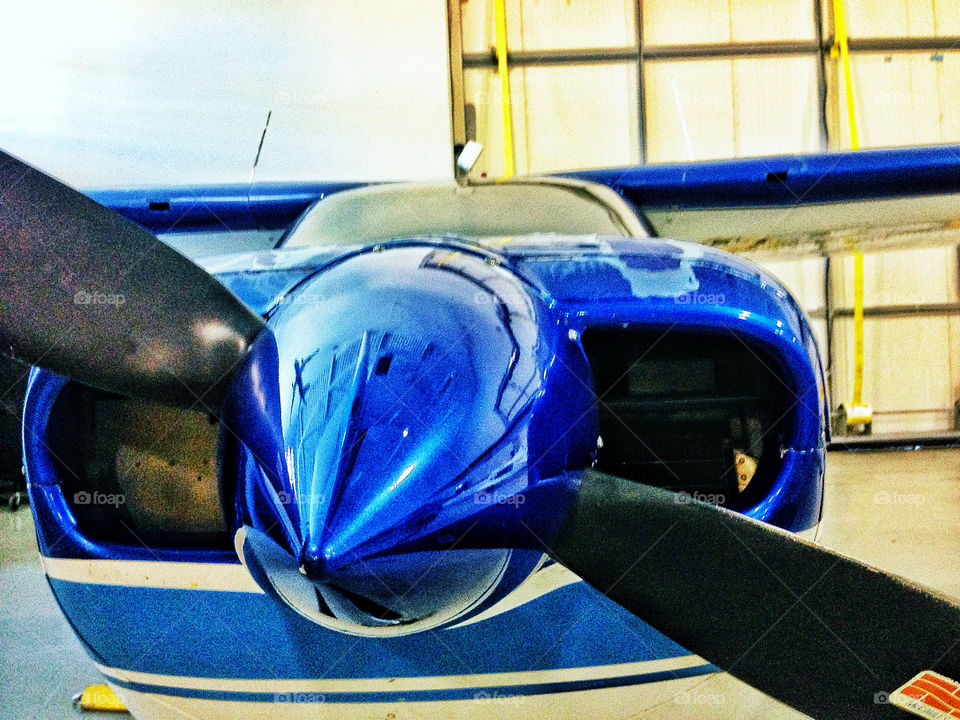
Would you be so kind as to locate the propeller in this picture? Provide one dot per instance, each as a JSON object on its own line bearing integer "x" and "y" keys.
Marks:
{"x": 824, "y": 633}
{"x": 89, "y": 294}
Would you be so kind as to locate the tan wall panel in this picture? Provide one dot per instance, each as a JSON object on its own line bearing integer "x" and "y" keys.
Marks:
{"x": 925, "y": 110}
{"x": 688, "y": 22}
{"x": 948, "y": 91}
{"x": 947, "y": 17}
{"x": 896, "y": 98}
{"x": 753, "y": 106}
{"x": 901, "y": 99}
{"x": 906, "y": 365}
{"x": 899, "y": 277}
{"x": 772, "y": 20}
{"x": 685, "y": 22}
{"x": 883, "y": 100}
{"x": 776, "y": 106}
{"x": 921, "y": 17}
{"x": 550, "y": 24}
{"x": 697, "y": 94}
{"x": 891, "y": 18}
{"x": 579, "y": 116}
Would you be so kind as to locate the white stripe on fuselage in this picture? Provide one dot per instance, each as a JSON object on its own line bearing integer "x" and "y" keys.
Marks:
{"x": 404, "y": 684}
{"x": 223, "y": 577}
{"x": 228, "y": 577}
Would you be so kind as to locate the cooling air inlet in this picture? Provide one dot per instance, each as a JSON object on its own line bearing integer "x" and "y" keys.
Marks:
{"x": 698, "y": 412}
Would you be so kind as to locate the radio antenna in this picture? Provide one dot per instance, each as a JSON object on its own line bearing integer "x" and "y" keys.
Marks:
{"x": 263, "y": 136}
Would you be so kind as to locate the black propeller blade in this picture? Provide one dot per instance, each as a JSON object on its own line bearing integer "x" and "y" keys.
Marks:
{"x": 88, "y": 294}
{"x": 817, "y": 630}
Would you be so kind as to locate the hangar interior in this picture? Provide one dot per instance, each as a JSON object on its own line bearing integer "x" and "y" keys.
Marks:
{"x": 171, "y": 93}
{"x": 622, "y": 83}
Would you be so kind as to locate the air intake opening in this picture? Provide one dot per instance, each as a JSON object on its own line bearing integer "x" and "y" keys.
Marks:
{"x": 137, "y": 472}
{"x": 697, "y": 412}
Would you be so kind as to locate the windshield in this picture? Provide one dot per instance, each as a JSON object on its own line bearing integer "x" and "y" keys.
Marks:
{"x": 384, "y": 212}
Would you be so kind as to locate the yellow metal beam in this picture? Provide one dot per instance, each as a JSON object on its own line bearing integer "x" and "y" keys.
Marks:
{"x": 858, "y": 413}
{"x": 505, "y": 104}
{"x": 841, "y": 48}
{"x": 857, "y": 328}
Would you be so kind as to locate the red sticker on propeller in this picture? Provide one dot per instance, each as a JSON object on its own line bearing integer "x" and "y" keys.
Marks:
{"x": 929, "y": 695}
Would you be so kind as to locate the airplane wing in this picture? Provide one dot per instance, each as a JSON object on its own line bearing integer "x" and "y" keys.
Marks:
{"x": 789, "y": 203}
{"x": 199, "y": 208}
{"x": 805, "y": 203}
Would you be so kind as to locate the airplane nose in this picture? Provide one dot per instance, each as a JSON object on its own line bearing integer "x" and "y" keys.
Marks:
{"x": 407, "y": 381}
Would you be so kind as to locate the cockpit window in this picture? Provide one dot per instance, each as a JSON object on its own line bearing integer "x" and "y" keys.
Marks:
{"x": 486, "y": 210}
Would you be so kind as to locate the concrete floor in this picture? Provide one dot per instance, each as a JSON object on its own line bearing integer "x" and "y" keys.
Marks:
{"x": 41, "y": 662}
{"x": 894, "y": 509}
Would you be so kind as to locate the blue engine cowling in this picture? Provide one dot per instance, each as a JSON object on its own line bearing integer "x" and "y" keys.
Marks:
{"x": 415, "y": 406}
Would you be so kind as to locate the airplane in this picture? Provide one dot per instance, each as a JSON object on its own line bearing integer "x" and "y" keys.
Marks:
{"x": 455, "y": 450}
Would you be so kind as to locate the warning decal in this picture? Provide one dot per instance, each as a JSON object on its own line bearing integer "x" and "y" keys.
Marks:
{"x": 929, "y": 695}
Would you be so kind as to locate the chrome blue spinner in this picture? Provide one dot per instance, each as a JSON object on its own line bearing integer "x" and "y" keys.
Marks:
{"x": 414, "y": 418}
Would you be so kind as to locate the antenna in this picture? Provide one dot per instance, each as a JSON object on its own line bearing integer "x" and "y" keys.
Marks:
{"x": 263, "y": 136}
{"x": 683, "y": 120}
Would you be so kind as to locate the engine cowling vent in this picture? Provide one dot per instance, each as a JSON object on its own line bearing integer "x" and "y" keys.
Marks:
{"x": 703, "y": 413}
{"x": 137, "y": 472}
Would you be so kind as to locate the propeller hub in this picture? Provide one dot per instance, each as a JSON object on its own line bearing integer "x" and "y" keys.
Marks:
{"x": 409, "y": 441}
